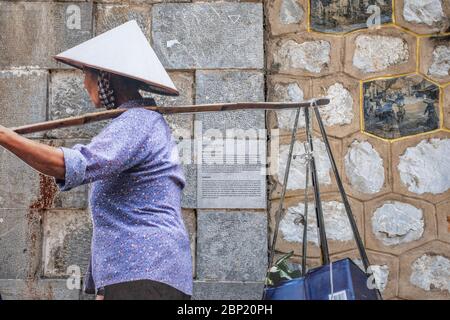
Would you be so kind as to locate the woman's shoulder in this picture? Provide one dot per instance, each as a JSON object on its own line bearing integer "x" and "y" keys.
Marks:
{"x": 134, "y": 121}
{"x": 136, "y": 108}
{"x": 139, "y": 115}
{"x": 141, "y": 111}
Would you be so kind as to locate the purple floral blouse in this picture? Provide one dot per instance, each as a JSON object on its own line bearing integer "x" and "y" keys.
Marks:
{"x": 135, "y": 201}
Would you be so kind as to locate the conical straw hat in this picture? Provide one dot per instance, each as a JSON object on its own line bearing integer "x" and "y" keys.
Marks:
{"x": 124, "y": 51}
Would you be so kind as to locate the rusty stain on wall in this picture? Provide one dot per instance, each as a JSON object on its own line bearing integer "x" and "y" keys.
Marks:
{"x": 47, "y": 193}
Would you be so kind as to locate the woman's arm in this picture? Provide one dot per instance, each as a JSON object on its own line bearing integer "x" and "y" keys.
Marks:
{"x": 46, "y": 159}
{"x": 122, "y": 144}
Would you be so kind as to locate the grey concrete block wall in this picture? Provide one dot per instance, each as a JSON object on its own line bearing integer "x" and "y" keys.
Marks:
{"x": 209, "y": 35}
{"x": 231, "y": 245}
{"x": 44, "y": 29}
{"x": 227, "y": 290}
{"x": 214, "y": 86}
{"x": 19, "y": 184}
{"x": 110, "y": 15}
{"x": 24, "y": 96}
{"x": 20, "y": 239}
{"x": 43, "y": 289}
{"x": 66, "y": 241}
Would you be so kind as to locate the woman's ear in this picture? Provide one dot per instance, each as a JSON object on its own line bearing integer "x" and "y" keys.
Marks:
{"x": 91, "y": 85}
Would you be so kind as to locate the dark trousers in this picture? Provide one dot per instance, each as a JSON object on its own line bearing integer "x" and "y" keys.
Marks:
{"x": 143, "y": 290}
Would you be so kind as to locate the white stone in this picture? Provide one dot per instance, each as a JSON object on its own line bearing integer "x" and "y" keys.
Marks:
{"x": 337, "y": 226}
{"x": 364, "y": 167}
{"x": 311, "y": 56}
{"x": 22, "y": 71}
{"x": 340, "y": 109}
{"x": 425, "y": 167}
{"x": 291, "y": 12}
{"x": 297, "y": 174}
{"x": 441, "y": 62}
{"x": 396, "y": 222}
{"x": 377, "y": 53}
{"x": 427, "y": 12}
{"x": 431, "y": 272}
{"x": 290, "y": 92}
{"x": 380, "y": 273}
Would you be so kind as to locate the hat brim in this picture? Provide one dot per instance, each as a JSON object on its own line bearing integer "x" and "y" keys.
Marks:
{"x": 145, "y": 84}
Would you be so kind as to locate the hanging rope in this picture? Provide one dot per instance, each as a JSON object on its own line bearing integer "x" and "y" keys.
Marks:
{"x": 318, "y": 203}
{"x": 304, "y": 221}
{"x": 283, "y": 194}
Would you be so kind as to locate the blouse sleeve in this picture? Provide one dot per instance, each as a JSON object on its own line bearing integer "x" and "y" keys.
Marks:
{"x": 121, "y": 145}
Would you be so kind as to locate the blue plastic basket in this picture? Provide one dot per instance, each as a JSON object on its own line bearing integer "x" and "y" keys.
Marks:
{"x": 347, "y": 282}
{"x": 287, "y": 290}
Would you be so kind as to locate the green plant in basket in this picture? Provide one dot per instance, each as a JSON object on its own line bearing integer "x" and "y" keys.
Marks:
{"x": 283, "y": 270}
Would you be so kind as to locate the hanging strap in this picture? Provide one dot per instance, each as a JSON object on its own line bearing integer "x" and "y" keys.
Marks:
{"x": 304, "y": 220}
{"x": 283, "y": 190}
{"x": 318, "y": 203}
{"x": 305, "y": 211}
{"x": 283, "y": 194}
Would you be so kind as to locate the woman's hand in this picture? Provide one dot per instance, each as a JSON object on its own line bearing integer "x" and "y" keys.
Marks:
{"x": 46, "y": 159}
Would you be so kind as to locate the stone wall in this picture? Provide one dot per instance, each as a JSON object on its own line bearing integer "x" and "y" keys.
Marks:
{"x": 394, "y": 166}
{"x": 398, "y": 181}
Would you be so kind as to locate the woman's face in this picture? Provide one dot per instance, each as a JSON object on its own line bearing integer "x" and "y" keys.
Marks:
{"x": 90, "y": 83}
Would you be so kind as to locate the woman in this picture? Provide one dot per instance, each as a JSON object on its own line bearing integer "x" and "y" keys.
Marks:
{"x": 140, "y": 247}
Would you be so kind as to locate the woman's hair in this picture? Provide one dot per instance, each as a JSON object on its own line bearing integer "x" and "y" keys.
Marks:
{"x": 106, "y": 92}
{"x": 109, "y": 85}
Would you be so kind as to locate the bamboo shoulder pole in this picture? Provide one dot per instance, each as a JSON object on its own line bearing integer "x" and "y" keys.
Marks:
{"x": 217, "y": 107}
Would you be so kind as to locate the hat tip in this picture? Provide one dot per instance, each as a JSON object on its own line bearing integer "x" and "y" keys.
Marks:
{"x": 56, "y": 56}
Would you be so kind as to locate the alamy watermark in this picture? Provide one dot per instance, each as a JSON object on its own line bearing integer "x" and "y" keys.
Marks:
{"x": 73, "y": 282}
{"x": 374, "y": 20}
{"x": 233, "y": 146}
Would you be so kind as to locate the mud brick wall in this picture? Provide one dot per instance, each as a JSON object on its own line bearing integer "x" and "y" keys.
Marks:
{"x": 394, "y": 166}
